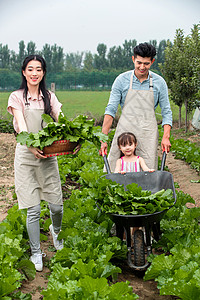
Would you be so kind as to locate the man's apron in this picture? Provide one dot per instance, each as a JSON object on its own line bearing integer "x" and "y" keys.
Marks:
{"x": 35, "y": 179}
{"x": 138, "y": 117}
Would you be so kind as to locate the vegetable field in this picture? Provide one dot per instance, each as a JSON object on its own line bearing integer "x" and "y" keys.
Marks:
{"x": 92, "y": 264}
{"x": 85, "y": 230}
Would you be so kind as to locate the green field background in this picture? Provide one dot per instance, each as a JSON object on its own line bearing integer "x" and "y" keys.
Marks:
{"x": 83, "y": 102}
{"x": 74, "y": 102}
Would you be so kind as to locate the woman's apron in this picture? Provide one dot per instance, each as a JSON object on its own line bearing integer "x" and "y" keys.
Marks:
{"x": 138, "y": 117}
{"x": 35, "y": 179}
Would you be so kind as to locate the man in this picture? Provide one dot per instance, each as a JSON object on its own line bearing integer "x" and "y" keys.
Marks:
{"x": 139, "y": 92}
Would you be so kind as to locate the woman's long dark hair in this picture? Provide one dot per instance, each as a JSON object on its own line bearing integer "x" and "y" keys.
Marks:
{"x": 42, "y": 85}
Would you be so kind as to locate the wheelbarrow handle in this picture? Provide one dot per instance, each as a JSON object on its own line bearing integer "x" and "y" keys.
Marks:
{"x": 106, "y": 164}
{"x": 164, "y": 155}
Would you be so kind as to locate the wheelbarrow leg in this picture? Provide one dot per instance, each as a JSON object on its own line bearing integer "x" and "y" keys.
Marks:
{"x": 128, "y": 236}
{"x": 156, "y": 231}
{"x": 119, "y": 231}
{"x": 148, "y": 238}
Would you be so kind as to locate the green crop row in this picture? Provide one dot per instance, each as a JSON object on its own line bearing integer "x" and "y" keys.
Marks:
{"x": 82, "y": 269}
{"x": 187, "y": 151}
{"x": 6, "y": 126}
{"x": 184, "y": 150}
{"x": 177, "y": 273}
{"x": 14, "y": 263}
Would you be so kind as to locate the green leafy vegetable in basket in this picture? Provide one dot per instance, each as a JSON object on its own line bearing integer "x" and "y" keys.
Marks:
{"x": 77, "y": 130}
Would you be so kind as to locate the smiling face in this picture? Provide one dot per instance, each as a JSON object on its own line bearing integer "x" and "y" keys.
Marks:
{"x": 128, "y": 149}
{"x": 33, "y": 73}
{"x": 142, "y": 66}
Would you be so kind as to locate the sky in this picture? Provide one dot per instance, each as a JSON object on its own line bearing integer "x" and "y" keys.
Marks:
{"x": 80, "y": 25}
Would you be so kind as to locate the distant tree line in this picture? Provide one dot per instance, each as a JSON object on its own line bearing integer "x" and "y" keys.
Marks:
{"x": 177, "y": 62}
{"x": 73, "y": 70}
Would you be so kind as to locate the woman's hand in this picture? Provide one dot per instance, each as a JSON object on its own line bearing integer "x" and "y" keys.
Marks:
{"x": 37, "y": 152}
{"x": 77, "y": 149}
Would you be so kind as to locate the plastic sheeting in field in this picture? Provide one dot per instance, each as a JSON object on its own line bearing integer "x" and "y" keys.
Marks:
{"x": 196, "y": 119}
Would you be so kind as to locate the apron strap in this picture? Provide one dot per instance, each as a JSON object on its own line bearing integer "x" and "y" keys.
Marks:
{"x": 131, "y": 81}
{"x": 27, "y": 103}
{"x": 150, "y": 82}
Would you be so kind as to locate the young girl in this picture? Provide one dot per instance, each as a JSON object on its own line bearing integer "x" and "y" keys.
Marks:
{"x": 36, "y": 176}
{"x": 130, "y": 162}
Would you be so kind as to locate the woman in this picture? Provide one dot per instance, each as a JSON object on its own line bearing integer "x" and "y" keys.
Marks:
{"x": 36, "y": 176}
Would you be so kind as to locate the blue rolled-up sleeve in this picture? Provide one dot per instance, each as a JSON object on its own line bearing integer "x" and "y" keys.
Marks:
{"x": 115, "y": 98}
{"x": 165, "y": 104}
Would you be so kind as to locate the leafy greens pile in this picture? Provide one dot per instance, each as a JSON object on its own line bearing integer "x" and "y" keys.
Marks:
{"x": 114, "y": 199}
{"x": 77, "y": 130}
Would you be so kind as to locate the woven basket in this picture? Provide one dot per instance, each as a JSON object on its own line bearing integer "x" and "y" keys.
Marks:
{"x": 61, "y": 147}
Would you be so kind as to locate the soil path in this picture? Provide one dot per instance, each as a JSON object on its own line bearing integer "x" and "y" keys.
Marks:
{"x": 181, "y": 172}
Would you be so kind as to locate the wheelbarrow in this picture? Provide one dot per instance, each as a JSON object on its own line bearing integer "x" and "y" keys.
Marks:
{"x": 151, "y": 181}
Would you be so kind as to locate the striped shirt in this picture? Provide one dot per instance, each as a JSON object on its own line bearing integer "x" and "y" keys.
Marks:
{"x": 130, "y": 166}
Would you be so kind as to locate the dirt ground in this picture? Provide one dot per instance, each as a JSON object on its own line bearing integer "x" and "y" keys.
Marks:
{"x": 182, "y": 174}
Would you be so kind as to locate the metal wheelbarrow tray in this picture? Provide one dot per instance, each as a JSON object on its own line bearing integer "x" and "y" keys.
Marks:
{"x": 151, "y": 181}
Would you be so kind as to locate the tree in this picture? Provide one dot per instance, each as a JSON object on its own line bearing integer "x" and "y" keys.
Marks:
{"x": 191, "y": 80}
{"x": 116, "y": 58}
{"x": 153, "y": 43}
{"x": 128, "y": 52}
{"x": 181, "y": 70}
{"x": 4, "y": 56}
{"x": 57, "y": 61}
{"x": 100, "y": 60}
{"x": 31, "y": 48}
{"x": 73, "y": 61}
{"x": 195, "y": 48}
{"x": 14, "y": 61}
{"x": 22, "y": 53}
{"x": 88, "y": 62}
{"x": 47, "y": 54}
{"x": 160, "y": 57}
{"x": 173, "y": 69}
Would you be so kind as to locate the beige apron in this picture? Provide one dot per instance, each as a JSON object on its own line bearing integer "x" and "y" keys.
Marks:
{"x": 138, "y": 117}
{"x": 35, "y": 179}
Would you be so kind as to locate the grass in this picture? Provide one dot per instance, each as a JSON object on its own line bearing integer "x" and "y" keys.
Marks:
{"x": 74, "y": 102}
{"x": 83, "y": 102}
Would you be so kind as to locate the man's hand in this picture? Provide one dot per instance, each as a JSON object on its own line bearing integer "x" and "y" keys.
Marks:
{"x": 37, "y": 152}
{"x": 165, "y": 144}
{"x": 103, "y": 149}
{"x": 107, "y": 122}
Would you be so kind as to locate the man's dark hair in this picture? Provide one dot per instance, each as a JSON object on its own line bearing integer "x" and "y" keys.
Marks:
{"x": 145, "y": 50}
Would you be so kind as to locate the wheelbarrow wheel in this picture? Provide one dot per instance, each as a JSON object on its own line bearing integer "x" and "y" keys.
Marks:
{"x": 139, "y": 251}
